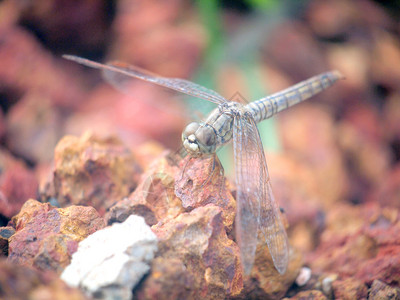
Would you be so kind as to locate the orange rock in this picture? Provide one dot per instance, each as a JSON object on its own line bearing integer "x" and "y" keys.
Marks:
{"x": 154, "y": 198}
{"x": 46, "y": 237}
{"x": 200, "y": 181}
{"x": 313, "y": 140}
{"x": 380, "y": 290}
{"x": 199, "y": 240}
{"x": 92, "y": 171}
{"x": 310, "y": 294}
{"x": 265, "y": 282}
{"x": 349, "y": 289}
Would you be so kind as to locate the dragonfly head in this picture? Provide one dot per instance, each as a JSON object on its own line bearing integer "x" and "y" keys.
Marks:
{"x": 199, "y": 139}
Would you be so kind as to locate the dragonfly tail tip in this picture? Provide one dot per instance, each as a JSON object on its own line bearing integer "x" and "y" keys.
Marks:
{"x": 338, "y": 74}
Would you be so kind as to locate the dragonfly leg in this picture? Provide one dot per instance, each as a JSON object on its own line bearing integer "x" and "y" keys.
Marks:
{"x": 184, "y": 168}
{"x": 212, "y": 173}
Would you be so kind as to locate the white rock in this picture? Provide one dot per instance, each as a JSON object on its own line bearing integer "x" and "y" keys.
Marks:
{"x": 304, "y": 276}
{"x": 111, "y": 261}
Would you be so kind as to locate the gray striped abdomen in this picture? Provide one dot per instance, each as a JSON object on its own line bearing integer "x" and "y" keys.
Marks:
{"x": 266, "y": 107}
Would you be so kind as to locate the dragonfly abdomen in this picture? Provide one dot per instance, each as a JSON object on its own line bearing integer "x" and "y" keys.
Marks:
{"x": 266, "y": 107}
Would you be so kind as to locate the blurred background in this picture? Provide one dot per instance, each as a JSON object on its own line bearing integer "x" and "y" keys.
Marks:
{"x": 330, "y": 155}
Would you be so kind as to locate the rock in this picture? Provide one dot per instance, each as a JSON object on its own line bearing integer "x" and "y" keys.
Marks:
{"x": 34, "y": 125}
{"x": 310, "y": 294}
{"x": 314, "y": 141}
{"x": 92, "y": 171}
{"x": 295, "y": 188}
{"x": 291, "y": 49}
{"x": 201, "y": 181}
{"x": 265, "y": 282}
{"x": 366, "y": 247}
{"x": 80, "y": 27}
{"x": 349, "y": 289}
{"x": 17, "y": 184}
{"x": 2, "y": 124}
{"x": 380, "y": 290}
{"x": 361, "y": 137}
{"x": 26, "y": 67}
{"x": 46, "y": 237}
{"x": 205, "y": 196}
{"x": 154, "y": 198}
{"x": 134, "y": 114}
{"x": 388, "y": 190}
{"x": 110, "y": 262}
{"x": 22, "y": 282}
{"x": 152, "y": 29}
{"x": 5, "y": 234}
{"x": 169, "y": 279}
{"x": 303, "y": 277}
{"x": 196, "y": 246}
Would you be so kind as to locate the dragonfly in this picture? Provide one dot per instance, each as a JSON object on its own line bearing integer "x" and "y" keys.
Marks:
{"x": 257, "y": 212}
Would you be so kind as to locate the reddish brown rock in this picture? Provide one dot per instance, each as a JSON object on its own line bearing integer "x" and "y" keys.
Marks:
{"x": 365, "y": 248}
{"x": 154, "y": 198}
{"x": 46, "y": 237}
{"x": 2, "y": 125}
{"x": 82, "y": 26}
{"x": 169, "y": 279}
{"x": 387, "y": 192}
{"x": 5, "y": 234}
{"x": 313, "y": 140}
{"x": 26, "y": 67}
{"x": 22, "y": 282}
{"x": 137, "y": 114}
{"x": 330, "y": 19}
{"x": 154, "y": 40}
{"x": 349, "y": 289}
{"x": 361, "y": 137}
{"x": 92, "y": 171}
{"x": 292, "y": 50}
{"x": 17, "y": 184}
{"x": 308, "y": 295}
{"x": 198, "y": 239}
{"x": 380, "y": 290}
{"x": 391, "y": 118}
{"x": 265, "y": 282}
{"x": 34, "y": 126}
{"x": 200, "y": 181}
{"x": 385, "y": 57}
{"x": 295, "y": 187}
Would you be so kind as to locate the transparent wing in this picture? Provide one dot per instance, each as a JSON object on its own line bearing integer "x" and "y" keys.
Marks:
{"x": 256, "y": 207}
{"x": 180, "y": 85}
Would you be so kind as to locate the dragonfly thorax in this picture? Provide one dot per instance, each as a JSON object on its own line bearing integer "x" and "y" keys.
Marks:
{"x": 199, "y": 139}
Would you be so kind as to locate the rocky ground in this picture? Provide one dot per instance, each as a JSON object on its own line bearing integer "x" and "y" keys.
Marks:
{"x": 78, "y": 158}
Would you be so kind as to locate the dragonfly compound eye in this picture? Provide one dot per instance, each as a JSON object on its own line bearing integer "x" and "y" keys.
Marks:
{"x": 206, "y": 138}
{"x": 190, "y": 129}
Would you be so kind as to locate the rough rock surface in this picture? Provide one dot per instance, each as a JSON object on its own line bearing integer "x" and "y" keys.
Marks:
{"x": 154, "y": 198}
{"x": 5, "y": 234}
{"x": 201, "y": 181}
{"x": 46, "y": 236}
{"x": 361, "y": 243}
{"x": 380, "y": 290}
{"x": 110, "y": 262}
{"x": 195, "y": 248}
{"x": 17, "y": 184}
{"x": 21, "y": 282}
{"x": 92, "y": 171}
{"x": 349, "y": 289}
{"x": 310, "y": 294}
